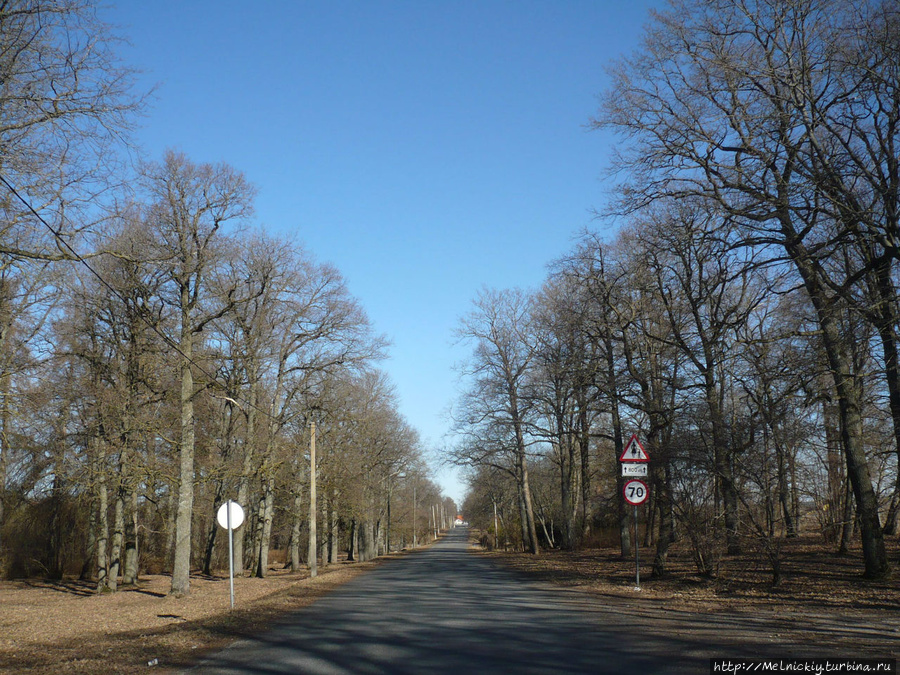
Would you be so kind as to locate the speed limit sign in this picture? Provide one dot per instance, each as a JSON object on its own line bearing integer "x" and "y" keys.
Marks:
{"x": 635, "y": 492}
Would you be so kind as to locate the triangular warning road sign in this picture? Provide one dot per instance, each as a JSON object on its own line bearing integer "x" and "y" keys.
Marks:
{"x": 634, "y": 451}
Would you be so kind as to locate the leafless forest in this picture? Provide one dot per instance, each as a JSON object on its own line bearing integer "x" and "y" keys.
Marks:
{"x": 742, "y": 319}
{"x": 736, "y": 307}
{"x": 159, "y": 356}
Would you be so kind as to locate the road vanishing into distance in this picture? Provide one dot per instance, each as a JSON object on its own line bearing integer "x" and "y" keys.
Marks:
{"x": 447, "y": 610}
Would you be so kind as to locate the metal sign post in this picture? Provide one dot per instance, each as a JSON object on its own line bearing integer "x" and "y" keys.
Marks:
{"x": 231, "y": 554}
{"x": 634, "y": 463}
{"x": 230, "y": 516}
{"x": 635, "y": 493}
{"x": 637, "y": 553}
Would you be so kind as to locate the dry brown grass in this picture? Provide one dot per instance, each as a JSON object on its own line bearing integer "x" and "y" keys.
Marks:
{"x": 814, "y": 578}
{"x": 48, "y": 626}
{"x": 823, "y": 604}
{"x": 67, "y": 627}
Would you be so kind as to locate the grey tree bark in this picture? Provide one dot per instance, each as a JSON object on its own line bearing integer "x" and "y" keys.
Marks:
{"x": 190, "y": 204}
{"x": 755, "y": 151}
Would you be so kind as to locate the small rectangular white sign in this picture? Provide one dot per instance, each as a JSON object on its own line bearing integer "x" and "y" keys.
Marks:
{"x": 629, "y": 470}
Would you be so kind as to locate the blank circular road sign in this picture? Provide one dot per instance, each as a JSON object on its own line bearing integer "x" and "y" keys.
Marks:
{"x": 237, "y": 515}
{"x": 635, "y": 492}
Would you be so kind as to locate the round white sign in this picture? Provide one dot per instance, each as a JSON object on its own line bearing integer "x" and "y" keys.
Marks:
{"x": 635, "y": 492}
{"x": 237, "y": 515}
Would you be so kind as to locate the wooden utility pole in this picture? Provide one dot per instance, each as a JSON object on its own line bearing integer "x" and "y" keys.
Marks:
{"x": 312, "y": 500}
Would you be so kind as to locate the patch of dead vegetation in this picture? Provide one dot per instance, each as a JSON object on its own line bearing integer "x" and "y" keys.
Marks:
{"x": 813, "y": 578}
{"x": 65, "y": 626}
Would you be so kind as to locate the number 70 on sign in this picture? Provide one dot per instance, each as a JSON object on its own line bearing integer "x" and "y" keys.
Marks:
{"x": 635, "y": 492}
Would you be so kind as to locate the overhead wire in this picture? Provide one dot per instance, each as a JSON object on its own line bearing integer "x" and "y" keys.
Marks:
{"x": 169, "y": 341}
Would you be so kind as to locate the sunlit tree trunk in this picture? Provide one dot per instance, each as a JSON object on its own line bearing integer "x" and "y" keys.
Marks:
{"x": 102, "y": 517}
{"x": 267, "y": 506}
{"x": 181, "y": 580}
{"x": 296, "y": 530}
{"x": 130, "y": 570}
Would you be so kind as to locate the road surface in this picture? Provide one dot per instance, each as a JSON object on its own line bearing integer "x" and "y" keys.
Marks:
{"x": 446, "y": 610}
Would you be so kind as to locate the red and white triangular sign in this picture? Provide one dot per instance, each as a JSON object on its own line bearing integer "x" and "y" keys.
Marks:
{"x": 634, "y": 451}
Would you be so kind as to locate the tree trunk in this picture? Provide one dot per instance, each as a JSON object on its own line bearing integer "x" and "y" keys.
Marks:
{"x": 624, "y": 518}
{"x": 296, "y": 528}
{"x": 587, "y": 515}
{"x": 366, "y": 541}
{"x": 247, "y": 463}
{"x": 102, "y": 519}
{"x": 118, "y": 538}
{"x": 268, "y": 513}
{"x": 371, "y": 530}
{"x": 836, "y": 473}
{"x": 722, "y": 453}
{"x": 783, "y": 492}
{"x": 311, "y": 553}
{"x": 567, "y": 485}
{"x": 523, "y": 519}
{"x": 90, "y": 553}
{"x": 258, "y": 528}
{"x": 5, "y": 414}
{"x": 795, "y": 488}
{"x": 663, "y": 498}
{"x": 847, "y": 520}
{"x": 334, "y": 535}
{"x": 211, "y": 536}
{"x": 362, "y": 551}
{"x": 522, "y": 460}
{"x": 326, "y": 533}
{"x": 353, "y": 548}
{"x": 171, "y": 511}
{"x": 130, "y": 570}
{"x": 850, "y": 409}
{"x": 181, "y": 569}
{"x": 254, "y": 532}
{"x": 885, "y": 320}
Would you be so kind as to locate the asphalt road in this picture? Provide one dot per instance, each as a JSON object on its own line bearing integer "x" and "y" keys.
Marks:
{"x": 445, "y": 610}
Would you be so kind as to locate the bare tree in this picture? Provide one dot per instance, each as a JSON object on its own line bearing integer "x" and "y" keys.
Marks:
{"x": 601, "y": 289}
{"x": 113, "y": 330}
{"x": 564, "y": 383}
{"x": 27, "y": 297}
{"x": 190, "y": 203}
{"x": 719, "y": 103}
{"x": 499, "y": 328}
{"x": 709, "y": 292}
{"x": 66, "y": 101}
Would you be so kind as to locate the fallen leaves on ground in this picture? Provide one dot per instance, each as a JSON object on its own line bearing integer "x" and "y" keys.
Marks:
{"x": 813, "y": 577}
{"x": 65, "y": 626}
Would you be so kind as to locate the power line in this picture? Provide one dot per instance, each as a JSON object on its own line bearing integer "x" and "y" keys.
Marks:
{"x": 169, "y": 341}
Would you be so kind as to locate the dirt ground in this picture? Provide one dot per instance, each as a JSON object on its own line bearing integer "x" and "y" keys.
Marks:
{"x": 67, "y": 627}
{"x": 812, "y": 577}
{"x": 822, "y": 600}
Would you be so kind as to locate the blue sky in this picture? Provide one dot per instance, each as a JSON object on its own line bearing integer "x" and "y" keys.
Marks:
{"x": 425, "y": 148}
